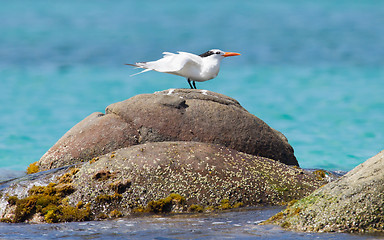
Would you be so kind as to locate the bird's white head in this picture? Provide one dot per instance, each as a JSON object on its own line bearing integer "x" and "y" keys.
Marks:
{"x": 218, "y": 54}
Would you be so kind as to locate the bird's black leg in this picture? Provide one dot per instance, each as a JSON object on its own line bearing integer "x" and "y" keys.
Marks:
{"x": 189, "y": 81}
{"x": 194, "y": 84}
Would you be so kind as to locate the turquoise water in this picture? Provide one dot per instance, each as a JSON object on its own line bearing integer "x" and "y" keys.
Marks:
{"x": 313, "y": 70}
{"x": 227, "y": 225}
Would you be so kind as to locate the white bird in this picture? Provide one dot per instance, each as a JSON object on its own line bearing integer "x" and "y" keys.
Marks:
{"x": 196, "y": 68}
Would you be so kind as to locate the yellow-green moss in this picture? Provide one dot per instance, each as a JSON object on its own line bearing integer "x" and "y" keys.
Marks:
{"x": 32, "y": 168}
{"x": 67, "y": 213}
{"x": 115, "y": 214}
{"x": 292, "y": 202}
{"x": 275, "y": 218}
{"x": 165, "y": 205}
{"x": 50, "y": 202}
{"x": 25, "y": 208}
{"x": 285, "y": 224}
{"x": 280, "y": 189}
{"x": 320, "y": 174}
{"x": 80, "y": 204}
{"x": 225, "y": 204}
{"x": 293, "y": 209}
{"x": 67, "y": 177}
{"x": 52, "y": 189}
{"x": 210, "y": 208}
{"x": 109, "y": 198}
{"x": 238, "y": 205}
{"x": 6, "y": 220}
{"x": 139, "y": 209}
{"x": 12, "y": 200}
{"x": 51, "y": 217}
{"x": 196, "y": 208}
{"x": 93, "y": 160}
{"x": 159, "y": 206}
{"x": 177, "y": 198}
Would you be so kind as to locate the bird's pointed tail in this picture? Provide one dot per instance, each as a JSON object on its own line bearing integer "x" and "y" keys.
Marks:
{"x": 137, "y": 66}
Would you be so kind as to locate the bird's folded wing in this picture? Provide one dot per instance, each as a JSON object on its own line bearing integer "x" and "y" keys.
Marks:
{"x": 171, "y": 62}
{"x": 191, "y": 56}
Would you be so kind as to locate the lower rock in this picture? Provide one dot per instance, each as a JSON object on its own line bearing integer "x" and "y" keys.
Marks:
{"x": 162, "y": 177}
{"x": 353, "y": 203}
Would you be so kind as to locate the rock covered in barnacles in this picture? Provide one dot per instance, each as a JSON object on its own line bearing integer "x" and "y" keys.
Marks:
{"x": 353, "y": 203}
{"x": 161, "y": 177}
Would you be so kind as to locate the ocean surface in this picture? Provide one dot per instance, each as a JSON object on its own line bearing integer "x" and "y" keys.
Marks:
{"x": 313, "y": 70}
{"x": 241, "y": 225}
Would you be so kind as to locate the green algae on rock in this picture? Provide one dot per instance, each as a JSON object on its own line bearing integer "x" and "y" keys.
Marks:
{"x": 353, "y": 203}
{"x": 167, "y": 204}
{"x": 33, "y": 168}
{"x": 49, "y": 203}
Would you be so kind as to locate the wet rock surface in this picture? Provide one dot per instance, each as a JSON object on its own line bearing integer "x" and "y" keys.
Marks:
{"x": 158, "y": 177}
{"x": 171, "y": 115}
{"x": 353, "y": 203}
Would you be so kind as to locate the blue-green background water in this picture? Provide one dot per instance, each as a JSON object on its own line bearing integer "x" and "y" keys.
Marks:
{"x": 312, "y": 69}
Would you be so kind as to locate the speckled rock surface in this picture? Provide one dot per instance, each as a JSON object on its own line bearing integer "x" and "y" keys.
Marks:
{"x": 204, "y": 174}
{"x": 161, "y": 177}
{"x": 353, "y": 203}
{"x": 171, "y": 115}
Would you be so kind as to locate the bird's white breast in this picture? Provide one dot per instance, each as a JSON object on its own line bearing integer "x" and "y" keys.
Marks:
{"x": 209, "y": 69}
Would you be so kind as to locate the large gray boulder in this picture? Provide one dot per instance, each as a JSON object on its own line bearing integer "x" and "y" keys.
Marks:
{"x": 353, "y": 203}
{"x": 171, "y": 115}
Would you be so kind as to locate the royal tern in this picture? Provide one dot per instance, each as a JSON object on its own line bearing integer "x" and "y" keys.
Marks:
{"x": 196, "y": 68}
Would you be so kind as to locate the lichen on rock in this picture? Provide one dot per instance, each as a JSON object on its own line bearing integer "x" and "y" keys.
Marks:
{"x": 353, "y": 203}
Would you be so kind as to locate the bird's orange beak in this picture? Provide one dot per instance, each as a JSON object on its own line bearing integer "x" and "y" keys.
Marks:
{"x": 229, "y": 54}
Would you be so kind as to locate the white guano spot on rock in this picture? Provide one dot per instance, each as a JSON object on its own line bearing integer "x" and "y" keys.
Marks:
{"x": 170, "y": 91}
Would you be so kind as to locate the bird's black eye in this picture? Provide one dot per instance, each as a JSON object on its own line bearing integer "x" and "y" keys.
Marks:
{"x": 218, "y": 52}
